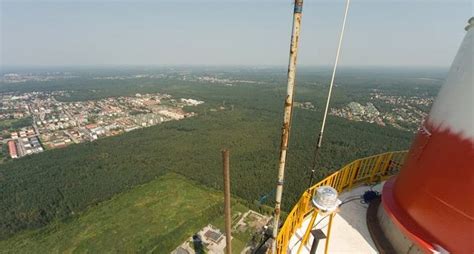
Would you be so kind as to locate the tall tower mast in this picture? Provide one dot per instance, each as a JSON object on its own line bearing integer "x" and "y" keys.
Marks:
{"x": 285, "y": 135}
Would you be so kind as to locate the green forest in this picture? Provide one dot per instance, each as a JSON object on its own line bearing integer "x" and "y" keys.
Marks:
{"x": 13, "y": 124}
{"x": 151, "y": 218}
{"x": 59, "y": 184}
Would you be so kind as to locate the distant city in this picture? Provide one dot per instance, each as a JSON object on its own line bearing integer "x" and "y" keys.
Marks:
{"x": 11, "y": 78}
{"x": 53, "y": 124}
{"x": 404, "y": 112}
{"x": 32, "y": 122}
{"x": 22, "y": 77}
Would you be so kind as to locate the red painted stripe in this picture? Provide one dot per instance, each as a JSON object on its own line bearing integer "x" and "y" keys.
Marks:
{"x": 432, "y": 199}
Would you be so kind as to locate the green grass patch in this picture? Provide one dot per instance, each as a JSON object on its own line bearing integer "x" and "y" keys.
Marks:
{"x": 154, "y": 217}
{"x": 11, "y": 124}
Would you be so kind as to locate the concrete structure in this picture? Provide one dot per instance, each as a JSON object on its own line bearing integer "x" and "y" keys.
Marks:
{"x": 349, "y": 228}
{"x": 430, "y": 201}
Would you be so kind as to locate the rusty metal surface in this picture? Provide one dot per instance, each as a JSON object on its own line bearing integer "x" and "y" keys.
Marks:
{"x": 288, "y": 110}
{"x": 227, "y": 211}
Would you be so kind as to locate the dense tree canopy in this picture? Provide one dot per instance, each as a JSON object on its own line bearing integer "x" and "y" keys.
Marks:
{"x": 57, "y": 184}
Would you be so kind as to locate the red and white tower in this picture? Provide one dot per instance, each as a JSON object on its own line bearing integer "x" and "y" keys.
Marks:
{"x": 431, "y": 202}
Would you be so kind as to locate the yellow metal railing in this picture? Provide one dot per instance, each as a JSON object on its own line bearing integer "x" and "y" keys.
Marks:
{"x": 366, "y": 170}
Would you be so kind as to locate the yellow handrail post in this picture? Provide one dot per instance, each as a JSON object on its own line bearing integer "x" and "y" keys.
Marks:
{"x": 377, "y": 167}
{"x": 356, "y": 165}
{"x": 304, "y": 240}
{"x": 388, "y": 159}
{"x": 331, "y": 216}
{"x": 359, "y": 171}
{"x": 345, "y": 179}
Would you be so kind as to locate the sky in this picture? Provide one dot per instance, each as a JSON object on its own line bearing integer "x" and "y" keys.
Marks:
{"x": 402, "y": 33}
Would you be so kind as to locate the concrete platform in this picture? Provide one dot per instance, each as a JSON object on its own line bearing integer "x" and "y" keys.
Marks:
{"x": 349, "y": 232}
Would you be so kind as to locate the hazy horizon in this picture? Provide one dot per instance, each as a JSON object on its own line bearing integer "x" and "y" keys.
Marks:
{"x": 301, "y": 67}
{"x": 394, "y": 34}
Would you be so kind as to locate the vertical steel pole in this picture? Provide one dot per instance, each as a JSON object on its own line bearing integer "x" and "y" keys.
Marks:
{"x": 297, "y": 13}
{"x": 227, "y": 212}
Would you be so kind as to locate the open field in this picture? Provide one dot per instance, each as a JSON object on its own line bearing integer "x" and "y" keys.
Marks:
{"x": 154, "y": 217}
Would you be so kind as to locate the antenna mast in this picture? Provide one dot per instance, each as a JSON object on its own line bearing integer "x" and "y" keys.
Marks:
{"x": 285, "y": 135}
{"x": 323, "y": 125}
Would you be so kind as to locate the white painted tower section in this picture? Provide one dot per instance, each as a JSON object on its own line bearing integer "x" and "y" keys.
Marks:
{"x": 453, "y": 110}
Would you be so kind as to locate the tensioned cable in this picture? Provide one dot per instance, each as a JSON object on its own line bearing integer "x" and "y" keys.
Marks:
{"x": 323, "y": 125}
